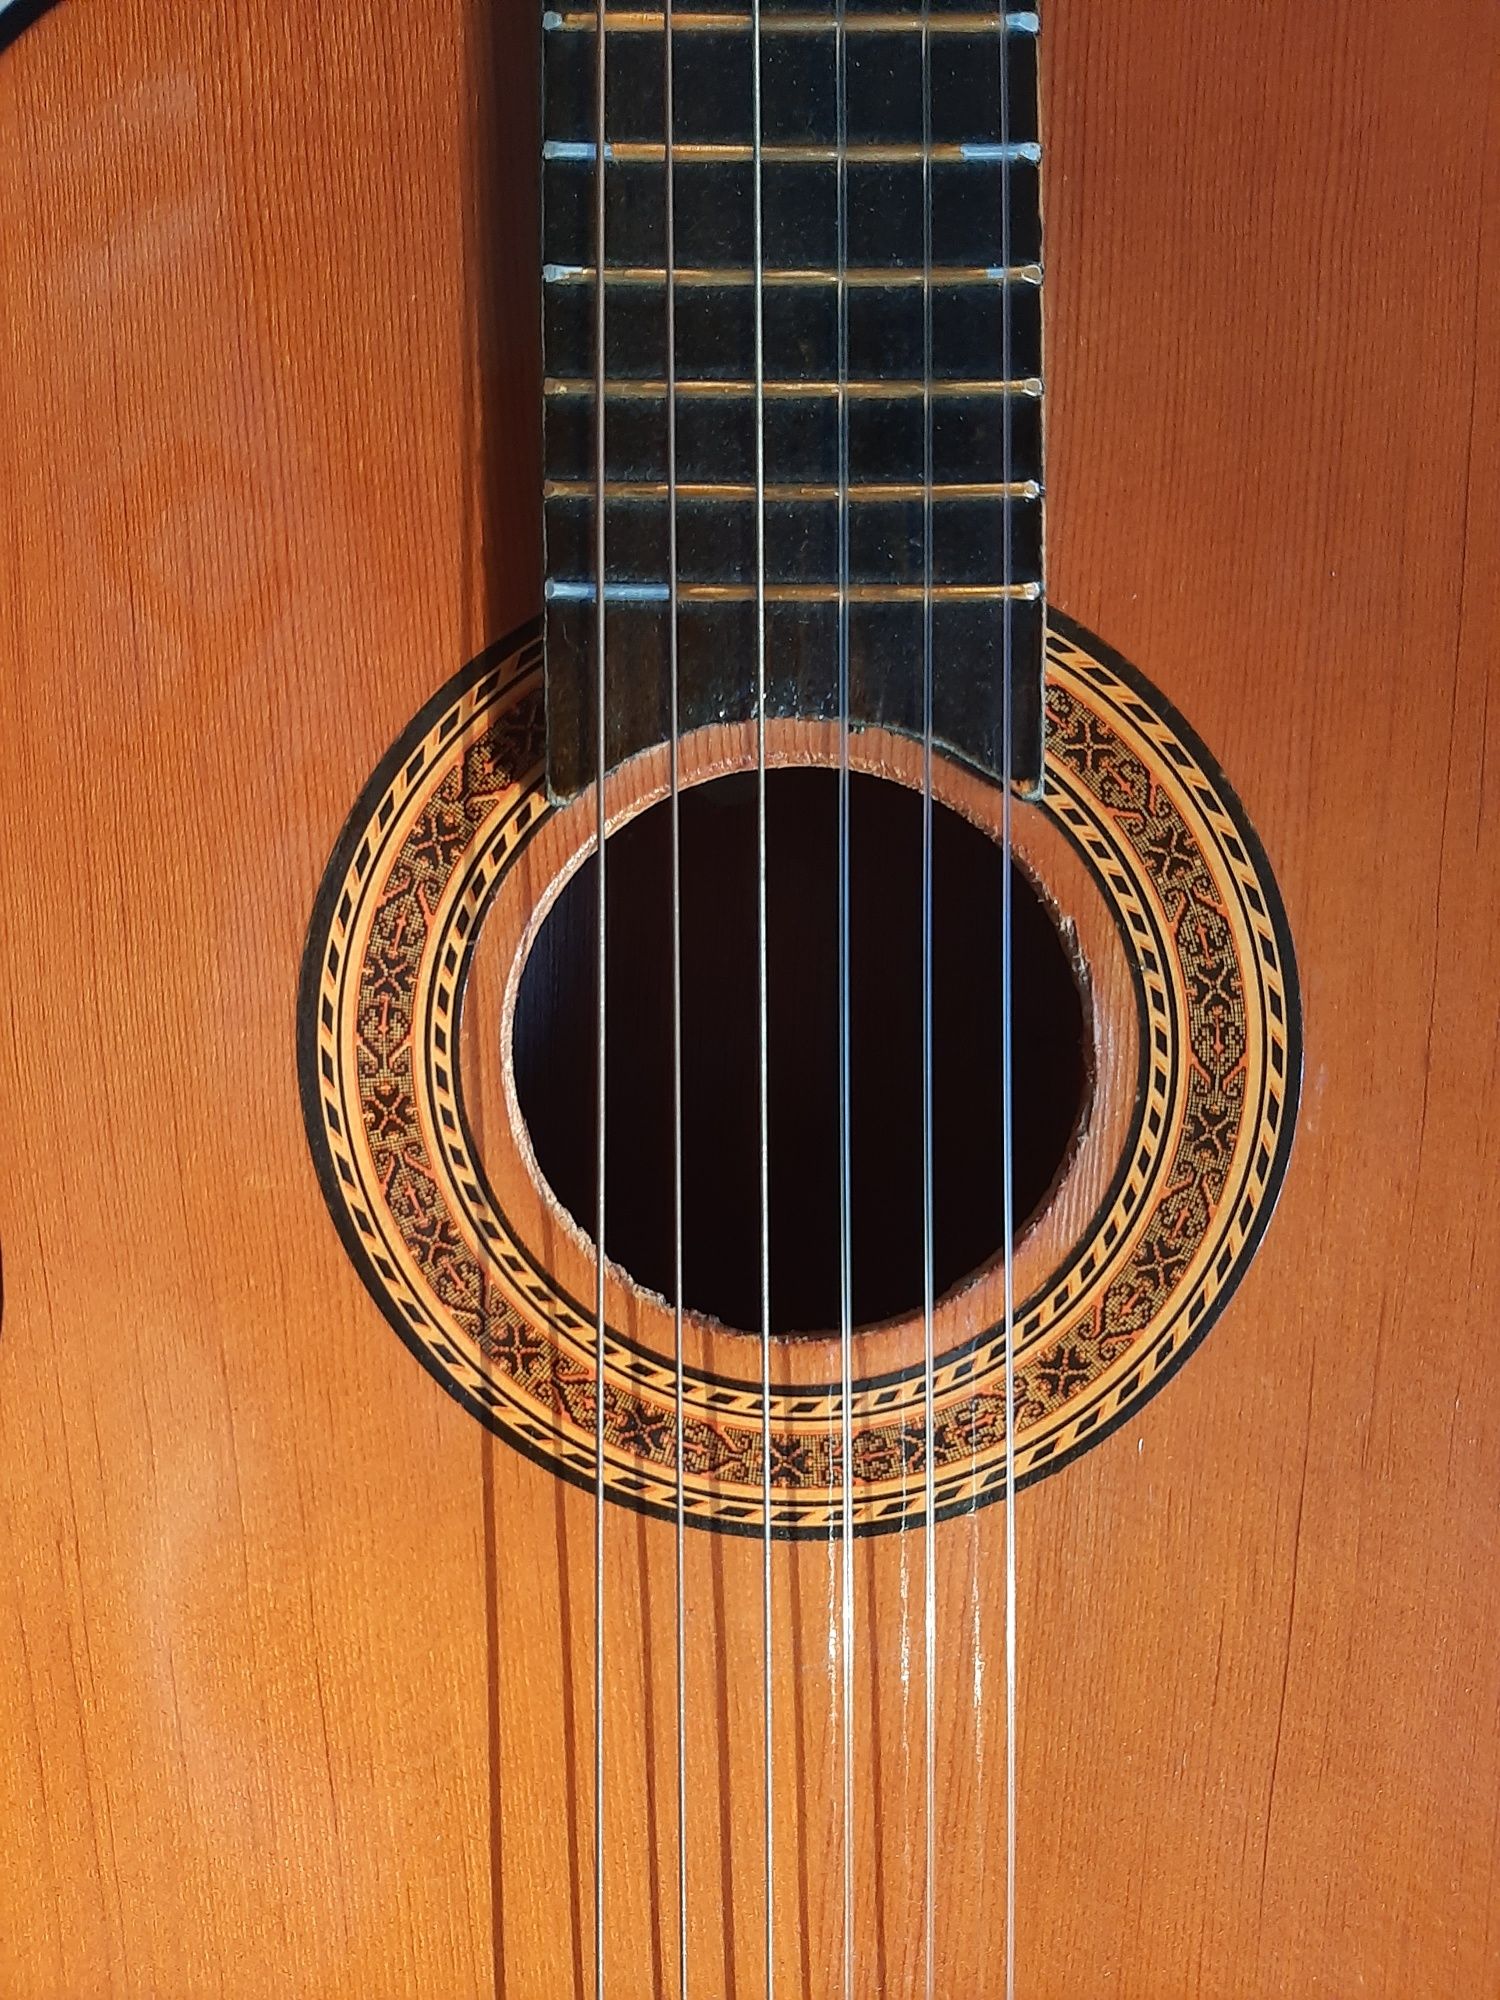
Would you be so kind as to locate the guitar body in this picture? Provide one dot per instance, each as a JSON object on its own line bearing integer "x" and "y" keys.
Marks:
{"x": 298, "y": 1634}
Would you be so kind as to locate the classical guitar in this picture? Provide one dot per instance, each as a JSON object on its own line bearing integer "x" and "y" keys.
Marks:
{"x": 751, "y": 1084}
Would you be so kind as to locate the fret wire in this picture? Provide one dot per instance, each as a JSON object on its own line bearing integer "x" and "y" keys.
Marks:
{"x": 735, "y": 152}
{"x": 577, "y": 590}
{"x": 876, "y": 493}
{"x": 627, "y": 388}
{"x": 639, "y": 22}
{"x": 738, "y": 276}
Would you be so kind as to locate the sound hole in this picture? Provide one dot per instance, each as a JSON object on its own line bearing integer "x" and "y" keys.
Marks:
{"x": 556, "y": 1028}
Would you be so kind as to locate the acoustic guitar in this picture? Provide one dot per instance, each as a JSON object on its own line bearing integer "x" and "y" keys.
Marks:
{"x": 748, "y": 1206}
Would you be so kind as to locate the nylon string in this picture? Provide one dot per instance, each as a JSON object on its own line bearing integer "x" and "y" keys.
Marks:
{"x": 929, "y": 1523}
{"x": 763, "y": 1015}
{"x": 601, "y": 928}
{"x": 846, "y": 1634}
{"x": 846, "y": 1248}
{"x": 679, "y": 1572}
{"x": 1007, "y": 969}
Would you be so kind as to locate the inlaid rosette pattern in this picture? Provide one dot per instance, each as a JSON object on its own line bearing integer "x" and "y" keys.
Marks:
{"x": 424, "y": 856}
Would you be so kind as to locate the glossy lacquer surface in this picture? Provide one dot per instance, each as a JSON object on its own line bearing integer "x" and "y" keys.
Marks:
{"x": 298, "y": 1654}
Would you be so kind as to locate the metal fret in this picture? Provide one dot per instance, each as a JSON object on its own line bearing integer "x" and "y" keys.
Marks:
{"x": 646, "y": 22}
{"x": 627, "y": 389}
{"x": 644, "y": 152}
{"x": 867, "y": 277}
{"x": 582, "y": 590}
{"x": 869, "y": 494}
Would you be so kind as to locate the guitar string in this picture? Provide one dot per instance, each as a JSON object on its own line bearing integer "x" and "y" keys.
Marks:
{"x": 1007, "y": 971}
{"x": 846, "y": 1248}
{"x": 847, "y": 1649}
{"x": 1007, "y": 1175}
{"x": 763, "y": 1018}
{"x": 679, "y": 1550}
{"x": 929, "y": 1524}
{"x": 600, "y": 151}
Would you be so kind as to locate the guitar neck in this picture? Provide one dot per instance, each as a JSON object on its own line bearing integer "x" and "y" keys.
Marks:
{"x": 832, "y": 270}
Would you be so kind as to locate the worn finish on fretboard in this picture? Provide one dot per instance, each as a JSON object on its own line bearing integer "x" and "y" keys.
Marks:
{"x": 880, "y": 355}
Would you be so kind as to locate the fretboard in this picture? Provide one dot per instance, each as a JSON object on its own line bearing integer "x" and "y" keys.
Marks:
{"x": 858, "y": 438}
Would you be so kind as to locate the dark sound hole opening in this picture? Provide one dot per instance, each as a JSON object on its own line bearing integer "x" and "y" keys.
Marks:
{"x": 555, "y": 1034}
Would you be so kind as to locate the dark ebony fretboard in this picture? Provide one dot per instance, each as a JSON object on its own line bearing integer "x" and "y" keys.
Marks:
{"x": 950, "y": 187}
